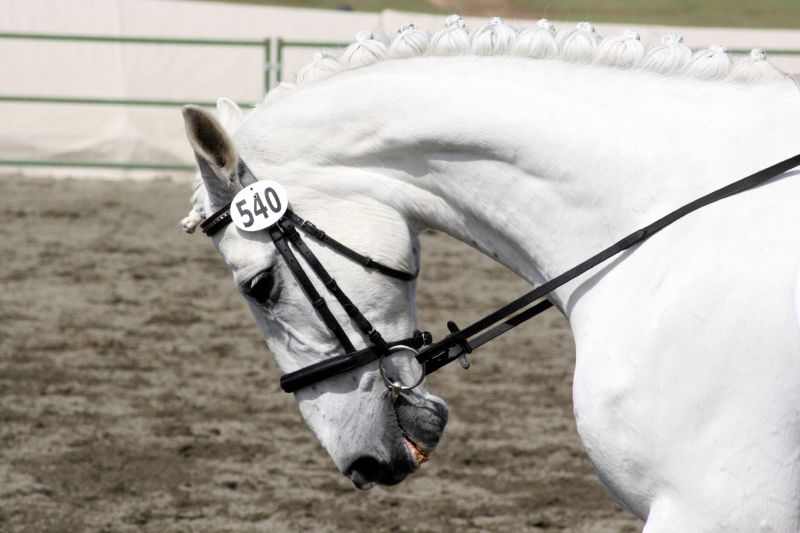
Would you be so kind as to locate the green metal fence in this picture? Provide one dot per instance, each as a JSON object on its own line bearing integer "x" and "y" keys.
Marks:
{"x": 283, "y": 45}
{"x": 271, "y": 68}
{"x": 266, "y": 45}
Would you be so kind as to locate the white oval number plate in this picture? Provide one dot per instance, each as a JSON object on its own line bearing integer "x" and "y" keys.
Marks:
{"x": 259, "y": 206}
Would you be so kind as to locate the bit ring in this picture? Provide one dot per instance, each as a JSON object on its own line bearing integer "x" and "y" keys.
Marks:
{"x": 395, "y": 386}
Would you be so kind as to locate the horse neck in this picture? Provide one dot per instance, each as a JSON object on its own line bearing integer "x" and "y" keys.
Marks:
{"x": 535, "y": 163}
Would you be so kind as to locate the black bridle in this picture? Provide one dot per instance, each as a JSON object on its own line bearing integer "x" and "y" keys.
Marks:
{"x": 460, "y": 342}
{"x": 285, "y": 235}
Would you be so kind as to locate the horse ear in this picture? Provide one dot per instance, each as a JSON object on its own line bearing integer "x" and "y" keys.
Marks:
{"x": 215, "y": 155}
{"x": 229, "y": 113}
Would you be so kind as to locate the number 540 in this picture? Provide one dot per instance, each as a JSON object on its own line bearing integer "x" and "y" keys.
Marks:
{"x": 273, "y": 205}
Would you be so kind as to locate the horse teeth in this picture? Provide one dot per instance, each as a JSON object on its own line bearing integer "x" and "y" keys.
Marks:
{"x": 419, "y": 455}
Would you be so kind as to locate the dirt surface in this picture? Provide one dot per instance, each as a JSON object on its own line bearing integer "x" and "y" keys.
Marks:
{"x": 136, "y": 393}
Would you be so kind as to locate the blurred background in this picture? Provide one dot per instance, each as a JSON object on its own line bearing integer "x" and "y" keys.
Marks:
{"x": 732, "y": 13}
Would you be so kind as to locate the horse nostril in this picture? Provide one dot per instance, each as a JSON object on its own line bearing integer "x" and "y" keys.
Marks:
{"x": 364, "y": 472}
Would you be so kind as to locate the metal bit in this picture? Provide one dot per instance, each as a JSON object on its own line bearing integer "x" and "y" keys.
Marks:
{"x": 396, "y": 388}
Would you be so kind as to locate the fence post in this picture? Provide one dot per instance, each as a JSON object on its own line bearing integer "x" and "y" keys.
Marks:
{"x": 279, "y": 65}
{"x": 267, "y": 63}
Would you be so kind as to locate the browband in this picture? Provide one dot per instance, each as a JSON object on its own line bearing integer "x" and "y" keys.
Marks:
{"x": 213, "y": 224}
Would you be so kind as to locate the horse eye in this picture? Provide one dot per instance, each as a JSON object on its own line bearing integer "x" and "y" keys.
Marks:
{"x": 260, "y": 287}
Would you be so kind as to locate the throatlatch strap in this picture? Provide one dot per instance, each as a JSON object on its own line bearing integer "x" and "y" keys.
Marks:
{"x": 438, "y": 354}
{"x": 329, "y": 241}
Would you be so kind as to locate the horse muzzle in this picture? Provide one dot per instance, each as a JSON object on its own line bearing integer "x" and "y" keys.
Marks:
{"x": 422, "y": 419}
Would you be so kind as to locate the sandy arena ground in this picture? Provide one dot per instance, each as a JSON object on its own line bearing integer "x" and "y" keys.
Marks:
{"x": 136, "y": 393}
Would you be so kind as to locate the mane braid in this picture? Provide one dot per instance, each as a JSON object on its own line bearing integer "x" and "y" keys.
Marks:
{"x": 581, "y": 44}
{"x": 541, "y": 41}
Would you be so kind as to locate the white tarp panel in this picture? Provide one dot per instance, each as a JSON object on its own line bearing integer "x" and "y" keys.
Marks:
{"x": 134, "y": 71}
{"x": 185, "y": 73}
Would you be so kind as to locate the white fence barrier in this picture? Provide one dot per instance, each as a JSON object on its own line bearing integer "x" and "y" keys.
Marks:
{"x": 171, "y": 72}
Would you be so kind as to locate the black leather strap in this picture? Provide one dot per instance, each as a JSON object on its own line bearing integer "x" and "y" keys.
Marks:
{"x": 352, "y": 311}
{"x": 463, "y": 346}
{"x": 211, "y": 225}
{"x": 329, "y": 241}
{"x": 282, "y": 234}
{"x": 317, "y": 301}
{"x": 439, "y": 353}
{"x": 342, "y": 363}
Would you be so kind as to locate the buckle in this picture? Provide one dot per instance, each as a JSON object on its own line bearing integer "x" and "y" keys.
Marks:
{"x": 287, "y": 228}
{"x": 313, "y": 230}
{"x": 377, "y": 340}
{"x": 424, "y": 338}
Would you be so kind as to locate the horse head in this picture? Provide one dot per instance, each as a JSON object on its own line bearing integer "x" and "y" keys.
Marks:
{"x": 373, "y": 436}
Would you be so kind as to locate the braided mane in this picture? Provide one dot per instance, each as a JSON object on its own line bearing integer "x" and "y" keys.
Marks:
{"x": 541, "y": 41}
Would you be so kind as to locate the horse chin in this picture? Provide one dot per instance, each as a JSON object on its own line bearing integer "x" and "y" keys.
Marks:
{"x": 366, "y": 472}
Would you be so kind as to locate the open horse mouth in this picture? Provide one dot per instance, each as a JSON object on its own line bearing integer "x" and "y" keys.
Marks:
{"x": 419, "y": 454}
{"x": 415, "y": 426}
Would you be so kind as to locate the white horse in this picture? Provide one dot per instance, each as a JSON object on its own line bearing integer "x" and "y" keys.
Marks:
{"x": 539, "y": 149}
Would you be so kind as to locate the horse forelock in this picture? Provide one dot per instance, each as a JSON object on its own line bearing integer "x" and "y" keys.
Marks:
{"x": 581, "y": 44}
{"x": 197, "y": 214}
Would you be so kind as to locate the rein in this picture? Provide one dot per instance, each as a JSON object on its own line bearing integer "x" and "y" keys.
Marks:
{"x": 460, "y": 342}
